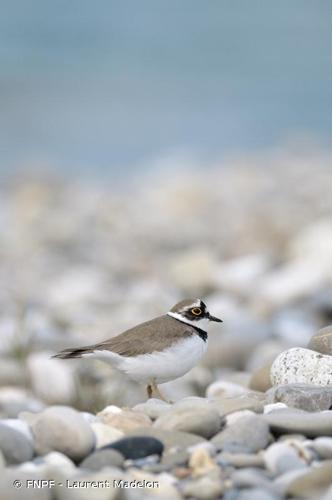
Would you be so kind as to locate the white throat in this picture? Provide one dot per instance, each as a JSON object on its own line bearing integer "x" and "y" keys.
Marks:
{"x": 200, "y": 323}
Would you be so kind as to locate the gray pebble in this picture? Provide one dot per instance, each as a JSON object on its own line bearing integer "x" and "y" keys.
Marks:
{"x": 323, "y": 447}
{"x": 153, "y": 408}
{"x": 63, "y": 429}
{"x": 102, "y": 458}
{"x": 204, "y": 422}
{"x": 15, "y": 447}
{"x": 170, "y": 439}
{"x": 303, "y": 396}
{"x": 298, "y": 421}
{"x": 258, "y": 494}
{"x": 247, "y": 433}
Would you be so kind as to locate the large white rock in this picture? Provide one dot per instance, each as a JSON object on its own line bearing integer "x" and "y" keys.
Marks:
{"x": 299, "y": 365}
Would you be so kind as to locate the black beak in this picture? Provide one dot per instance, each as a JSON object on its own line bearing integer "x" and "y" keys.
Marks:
{"x": 213, "y": 318}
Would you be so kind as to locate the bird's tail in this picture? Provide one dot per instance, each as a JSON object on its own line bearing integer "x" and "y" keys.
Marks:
{"x": 72, "y": 352}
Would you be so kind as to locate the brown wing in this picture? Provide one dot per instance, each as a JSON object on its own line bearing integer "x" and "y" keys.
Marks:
{"x": 154, "y": 335}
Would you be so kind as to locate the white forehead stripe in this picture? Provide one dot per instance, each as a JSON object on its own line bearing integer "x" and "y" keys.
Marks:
{"x": 197, "y": 303}
{"x": 200, "y": 322}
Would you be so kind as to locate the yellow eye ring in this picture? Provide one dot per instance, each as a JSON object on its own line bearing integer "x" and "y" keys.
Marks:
{"x": 196, "y": 311}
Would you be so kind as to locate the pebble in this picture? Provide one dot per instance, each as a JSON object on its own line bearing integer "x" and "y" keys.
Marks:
{"x": 298, "y": 421}
{"x": 240, "y": 460}
{"x": 105, "y": 434}
{"x": 251, "y": 477}
{"x": 63, "y": 429}
{"x": 199, "y": 420}
{"x": 322, "y": 446}
{"x": 274, "y": 406}
{"x": 20, "y": 426}
{"x": 14, "y": 400}
{"x": 312, "y": 483}
{"x": 282, "y": 457}
{"x": 257, "y": 494}
{"x": 223, "y": 388}
{"x": 203, "y": 488}
{"x": 170, "y": 439}
{"x": 261, "y": 379}
{"x": 15, "y": 447}
{"x": 153, "y": 408}
{"x": 303, "y": 396}
{"x": 57, "y": 460}
{"x": 304, "y": 366}
{"x": 249, "y": 401}
{"x": 103, "y": 458}
{"x": 136, "y": 447}
{"x": 322, "y": 341}
{"x": 249, "y": 434}
{"x": 125, "y": 420}
{"x": 200, "y": 462}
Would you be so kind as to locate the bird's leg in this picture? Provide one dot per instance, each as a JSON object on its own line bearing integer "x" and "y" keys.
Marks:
{"x": 157, "y": 392}
{"x": 149, "y": 390}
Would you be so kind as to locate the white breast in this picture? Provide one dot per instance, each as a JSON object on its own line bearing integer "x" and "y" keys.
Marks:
{"x": 161, "y": 366}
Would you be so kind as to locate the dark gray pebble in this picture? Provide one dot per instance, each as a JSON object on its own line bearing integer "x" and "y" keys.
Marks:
{"x": 136, "y": 447}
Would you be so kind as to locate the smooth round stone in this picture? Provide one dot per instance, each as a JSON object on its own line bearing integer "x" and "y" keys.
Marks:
{"x": 303, "y": 396}
{"x": 204, "y": 422}
{"x": 170, "y": 439}
{"x": 322, "y": 341}
{"x": 282, "y": 457}
{"x": 153, "y": 408}
{"x": 136, "y": 447}
{"x": 63, "y": 429}
{"x": 251, "y": 477}
{"x": 14, "y": 400}
{"x": 313, "y": 483}
{"x": 223, "y": 388}
{"x": 20, "y": 426}
{"x": 293, "y": 421}
{"x": 125, "y": 420}
{"x": 249, "y": 401}
{"x": 258, "y": 494}
{"x": 57, "y": 461}
{"x": 203, "y": 488}
{"x": 105, "y": 434}
{"x": 303, "y": 366}
{"x": 323, "y": 447}
{"x": 261, "y": 379}
{"x": 15, "y": 447}
{"x": 250, "y": 433}
{"x": 103, "y": 458}
{"x": 240, "y": 460}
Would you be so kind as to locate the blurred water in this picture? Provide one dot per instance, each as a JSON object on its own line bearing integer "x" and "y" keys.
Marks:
{"x": 102, "y": 85}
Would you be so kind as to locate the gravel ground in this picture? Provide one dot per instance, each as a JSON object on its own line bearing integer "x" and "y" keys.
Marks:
{"x": 80, "y": 262}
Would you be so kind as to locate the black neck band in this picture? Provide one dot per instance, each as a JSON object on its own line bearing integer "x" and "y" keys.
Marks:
{"x": 202, "y": 333}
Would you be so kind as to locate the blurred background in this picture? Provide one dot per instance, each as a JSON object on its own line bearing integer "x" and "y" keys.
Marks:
{"x": 153, "y": 151}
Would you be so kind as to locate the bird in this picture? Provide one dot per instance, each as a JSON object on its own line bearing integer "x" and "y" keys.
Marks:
{"x": 156, "y": 351}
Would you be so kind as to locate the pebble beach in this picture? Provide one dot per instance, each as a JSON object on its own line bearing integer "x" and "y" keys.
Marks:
{"x": 82, "y": 261}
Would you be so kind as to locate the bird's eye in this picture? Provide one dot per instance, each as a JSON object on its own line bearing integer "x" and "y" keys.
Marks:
{"x": 196, "y": 311}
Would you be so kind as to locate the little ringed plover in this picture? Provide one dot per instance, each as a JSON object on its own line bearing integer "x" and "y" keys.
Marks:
{"x": 158, "y": 350}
